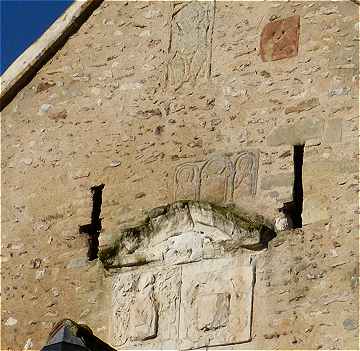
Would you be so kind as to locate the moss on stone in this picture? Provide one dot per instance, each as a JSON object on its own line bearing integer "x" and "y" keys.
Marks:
{"x": 242, "y": 218}
{"x": 136, "y": 235}
{"x": 107, "y": 254}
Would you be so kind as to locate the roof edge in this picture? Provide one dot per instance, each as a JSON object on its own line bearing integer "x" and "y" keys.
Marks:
{"x": 25, "y": 67}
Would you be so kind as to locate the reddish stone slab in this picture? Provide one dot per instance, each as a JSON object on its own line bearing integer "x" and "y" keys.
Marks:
{"x": 280, "y": 39}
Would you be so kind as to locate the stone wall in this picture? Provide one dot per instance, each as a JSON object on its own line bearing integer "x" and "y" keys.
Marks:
{"x": 159, "y": 108}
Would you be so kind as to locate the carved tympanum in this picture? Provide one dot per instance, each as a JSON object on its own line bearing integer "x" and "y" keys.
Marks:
{"x": 185, "y": 232}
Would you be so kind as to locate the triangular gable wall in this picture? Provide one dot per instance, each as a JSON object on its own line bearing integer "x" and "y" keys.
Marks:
{"x": 24, "y": 68}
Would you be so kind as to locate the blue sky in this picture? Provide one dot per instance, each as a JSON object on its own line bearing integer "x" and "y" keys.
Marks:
{"x": 22, "y": 22}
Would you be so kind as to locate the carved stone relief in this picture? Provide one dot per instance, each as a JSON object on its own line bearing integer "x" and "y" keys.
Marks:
{"x": 183, "y": 278}
{"x": 214, "y": 179}
{"x": 206, "y": 303}
{"x": 280, "y": 39}
{"x": 186, "y": 232}
{"x": 220, "y": 179}
{"x": 145, "y": 308}
{"x": 216, "y": 299}
{"x": 143, "y": 313}
{"x": 190, "y": 42}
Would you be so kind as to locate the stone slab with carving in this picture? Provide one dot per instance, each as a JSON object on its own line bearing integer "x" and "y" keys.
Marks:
{"x": 145, "y": 309}
{"x": 219, "y": 179}
{"x": 216, "y": 300}
{"x": 190, "y": 42}
{"x": 280, "y": 39}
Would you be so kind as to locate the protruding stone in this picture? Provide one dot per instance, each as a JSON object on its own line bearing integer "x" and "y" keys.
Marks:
{"x": 350, "y": 324}
{"x": 339, "y": 91}
{"x": 177, "y": 234}
{"x": 27, "y": 161}
{"x": 152, "y": 14}
{"x": 44, "y": 108}
{"x": 28, "y": 345}
{"x": 80, "y": 173}
{"x": 55, "y": 292}
{"x": 40, "y": 274}
{"x": 282, "y": 223}
{"x": 44, "y": 85}
{"x": 302, "y": 106}
{"x": 59, "y": 115}
{"x": 11, "y": 322}
{"x": 115, "y": 163}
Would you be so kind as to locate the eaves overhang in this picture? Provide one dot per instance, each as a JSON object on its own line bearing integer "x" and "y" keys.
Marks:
{"x": 25, "y": 67}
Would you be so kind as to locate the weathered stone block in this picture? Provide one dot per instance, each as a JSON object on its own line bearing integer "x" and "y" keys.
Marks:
{"x": 201, "y": 304}
{"x": 297, "y": 133}
{"x": 176, "y": 220}
{"x": 302, "y": 106}
{"x": 216, "y": 298}
{"x": 206, "y": 219}
{"x": 280, "y": 39}
{"x": 145, "y": 309}
{"x": 314, "y": 210}
{"x": 333, "y": 131}
{"x": 277, "y": 180}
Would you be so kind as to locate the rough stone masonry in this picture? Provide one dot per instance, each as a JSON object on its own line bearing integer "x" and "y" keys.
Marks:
{"x": 208, "y": 152}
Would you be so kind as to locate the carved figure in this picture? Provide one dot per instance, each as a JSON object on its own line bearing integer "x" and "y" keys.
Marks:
{"x": 186, "y": 180}
{"x": 219, "y": 179}
{"x": 216, "y": 298}
{"x": 190, "y": 42}
{"x": 143, "y": 313}
{"x": 246, "y": 169}
{"x": 214, "y": 179}
{"x": 213, "y": 311}
{"x": 121, "y": 307}
{"x": 145, "y": 309}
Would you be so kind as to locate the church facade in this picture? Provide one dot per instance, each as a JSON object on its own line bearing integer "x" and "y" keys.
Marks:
{"x": 184, "y": 175}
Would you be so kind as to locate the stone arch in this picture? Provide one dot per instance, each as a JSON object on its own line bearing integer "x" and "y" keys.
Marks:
{"x": 183, "y": 232}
